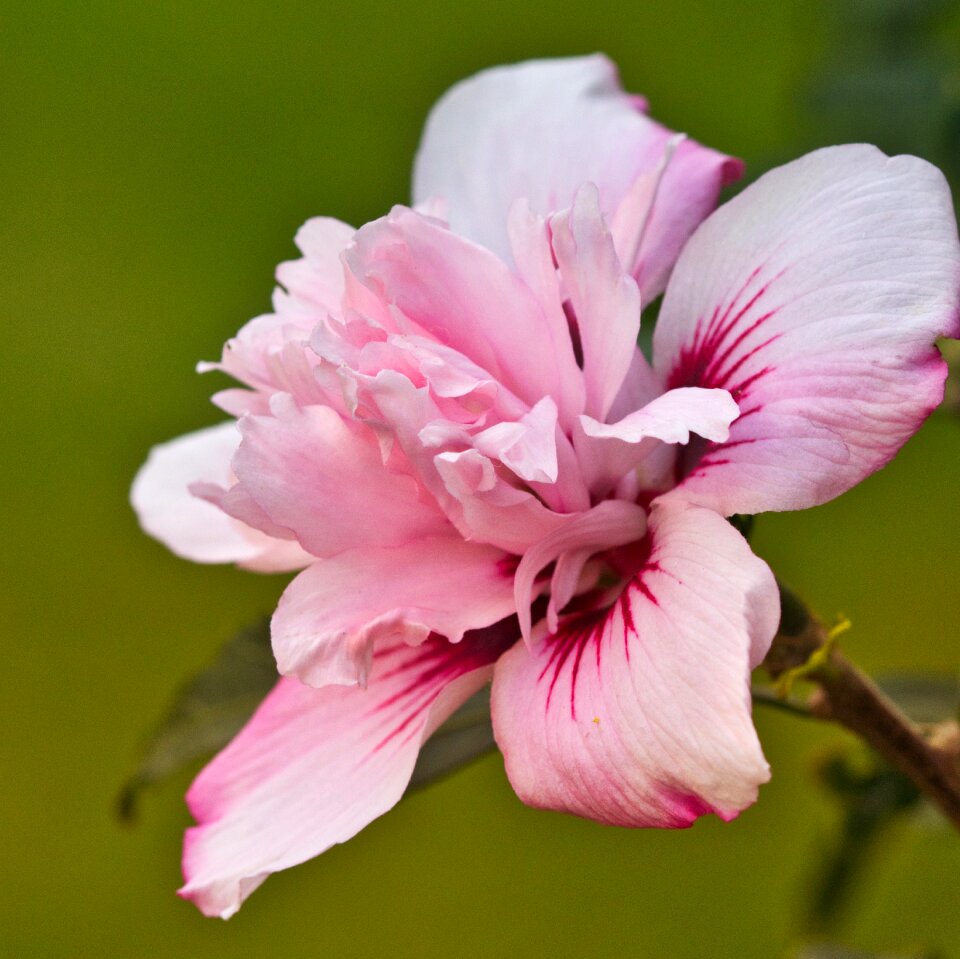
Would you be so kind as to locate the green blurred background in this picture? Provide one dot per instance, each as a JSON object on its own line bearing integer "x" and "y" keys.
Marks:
{"x": 157, "y": 159}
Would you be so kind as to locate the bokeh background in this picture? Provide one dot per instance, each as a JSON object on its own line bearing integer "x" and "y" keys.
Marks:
{"x": 156, "y": 161}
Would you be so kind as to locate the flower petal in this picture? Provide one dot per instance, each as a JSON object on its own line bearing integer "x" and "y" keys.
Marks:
{"x": 640, "y": 386}
{"x": 467, "y": 298}
{"x": 314, "y": 766}
{"x": 609, "y": 524}
{"x": 487, "y": 509}
{"x": 480, "y": 503}
{"x": 671, "y": 418}
{"x": 609, "y": 451}
{"x": 685, "y": 194}
{"x": 814, "y": 297}
{"x": 333, "y": 613}
{"x": 534, "y": 263}
{"x": 269, "y": 354}
{"x": 639, "y": 715}
{"x": 539, "y": 130}
{"x": 192, "y": 527}
{"x": 605, "y": 300}
{"x": 312, "y": 473}
{"x": 317, "y": 277}
{"x": 528, "y": 446}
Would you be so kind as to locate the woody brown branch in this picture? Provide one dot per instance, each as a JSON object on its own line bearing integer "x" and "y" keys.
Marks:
{"x": 928, "y": 755}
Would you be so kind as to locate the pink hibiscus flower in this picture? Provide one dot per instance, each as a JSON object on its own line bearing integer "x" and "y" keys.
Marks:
{"x": 447, "y": 425}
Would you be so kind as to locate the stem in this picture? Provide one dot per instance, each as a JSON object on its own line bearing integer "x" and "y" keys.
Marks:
{"x": 762, "y": 696}
{"x": 928, "y": 756}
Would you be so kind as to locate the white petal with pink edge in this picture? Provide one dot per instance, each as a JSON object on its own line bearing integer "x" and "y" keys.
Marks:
{"x": 539, "y": 130}
{"x": 814, "y": 298}
{"x": 190, "y": 526}
{"x": 639, "y": 715}
{"x": 332, "y": 614}
{"x": 314, "y": 766}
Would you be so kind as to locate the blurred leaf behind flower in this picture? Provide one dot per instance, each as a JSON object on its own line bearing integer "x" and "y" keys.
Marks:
{"x": 206, "y": 713}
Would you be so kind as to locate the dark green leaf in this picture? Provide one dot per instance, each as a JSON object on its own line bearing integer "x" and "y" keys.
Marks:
{"x": 206, "y": 713}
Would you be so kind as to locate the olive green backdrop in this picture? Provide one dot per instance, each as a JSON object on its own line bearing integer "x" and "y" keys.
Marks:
{"x": 156, "y": 161}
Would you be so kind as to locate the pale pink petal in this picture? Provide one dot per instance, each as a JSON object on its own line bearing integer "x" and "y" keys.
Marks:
{"x": 487, "y": 509}
{"x": 532, "y": 448}
{"x": 236, "y": 401}
{"x": 278, "y": 556}
{"x": 572, "y": 574}
{"x": 334, "y": 612}
{"x": 188, "y": 525}
{"x": 251, "y": 355}
{"x": 317, "y": 277}
{"x": 527, "y": 446}
{"x": 314, "y": 766}
{"x": 632, "y": 218}
{"x": 469, "y": 472}
{"x": 640, "y": 386}
{"x": 271, "y": 354}
{"x": 608, "y": 451}
{"x": 315, "y": 474}
{"x": 237, "y": 502}
{"x": 464, "y": 482}
{"x": 466, "y": 398}
{"x": 814, "y": 298}
{"x": 609, "y": 524}
{"x": 672, "y": 417}
{"x": 340, "y": 339}
{"x": 685, "y": 195}
{"x": 406, "y": 414}
{"x": 538, "y": 131}
{"x": 639, "y": 715}
{"x": 605, "y": 300}
{"x": 465, "y": 297}
{"x": 533, "y": 257}
{"x": 452, "y": 375}
{"x": 568, "y": 493}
